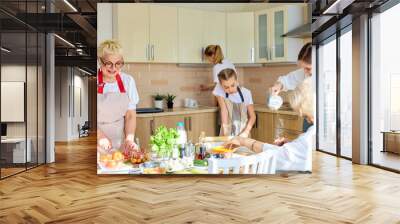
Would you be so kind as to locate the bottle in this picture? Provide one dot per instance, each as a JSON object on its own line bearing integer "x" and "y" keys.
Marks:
{"x": 182, "y": 138}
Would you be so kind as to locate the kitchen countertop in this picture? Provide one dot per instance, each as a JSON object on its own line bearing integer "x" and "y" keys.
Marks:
{"x": 181, "y": 111}
{"x": 263, "y": 108}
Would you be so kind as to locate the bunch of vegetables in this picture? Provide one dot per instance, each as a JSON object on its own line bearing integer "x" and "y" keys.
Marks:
{"x": 164, "y": 140}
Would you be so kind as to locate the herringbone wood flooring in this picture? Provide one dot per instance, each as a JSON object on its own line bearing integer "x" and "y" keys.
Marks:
{"x": 69, "y": 191}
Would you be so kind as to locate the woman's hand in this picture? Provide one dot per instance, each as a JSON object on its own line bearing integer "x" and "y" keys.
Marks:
{"x": 130, "y": 144}
{"x": 281, "y": 141}
{"x": 276, "y": 88}
{"x": 104, "y": 143}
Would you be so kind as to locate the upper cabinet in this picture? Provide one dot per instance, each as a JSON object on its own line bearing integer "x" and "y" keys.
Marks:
{"x": 196, "y": 30}
{"x": 168, "y": 34}
{"x": 190, "y": 35}
{"x": 214, "y": 29}
{"x": 240, "y": 37}
{"x": 163, "y": 34}
{"x": 147, "y": 33}
{"x": 132, "y": 28}
{"x": 271, "y": 24}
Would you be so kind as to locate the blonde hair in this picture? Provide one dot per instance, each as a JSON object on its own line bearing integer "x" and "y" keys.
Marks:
{"x": 109, "y": 47}
{"x": 302, "y": 98}
{"x": 216, "y": 50}
{"x": 226, "y": 74}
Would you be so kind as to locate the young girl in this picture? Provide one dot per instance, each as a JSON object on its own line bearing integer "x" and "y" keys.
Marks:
{"x": 214, "y": 55}
{"x": 239, "y": 117}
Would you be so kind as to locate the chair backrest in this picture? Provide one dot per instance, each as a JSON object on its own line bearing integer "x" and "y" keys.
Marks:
{"x": 260, "y": 163}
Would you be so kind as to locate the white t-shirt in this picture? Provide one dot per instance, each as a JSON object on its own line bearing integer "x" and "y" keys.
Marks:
{"x": 235, "y": 98}
{"x": 221, "y": 66}
{"x": 295, "y": 155}
{"x": 292, "y": 79}
{"x": 130, "y": 87}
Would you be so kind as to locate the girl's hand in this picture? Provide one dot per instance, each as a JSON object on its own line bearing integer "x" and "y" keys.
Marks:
{"x": 234, "y": 142}
{"x": 204, "y": 87}
{"x": 244, "y": 134}
{"x": 281, "y": 141}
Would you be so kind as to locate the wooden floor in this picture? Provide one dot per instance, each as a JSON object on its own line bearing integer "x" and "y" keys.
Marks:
{"x": 69, "y": 191}
{"x": 386, "y": 159}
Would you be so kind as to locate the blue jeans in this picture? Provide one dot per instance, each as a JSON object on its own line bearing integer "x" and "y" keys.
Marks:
{"x": 306, "y": 125}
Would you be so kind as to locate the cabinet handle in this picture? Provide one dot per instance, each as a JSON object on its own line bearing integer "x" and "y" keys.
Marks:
{"x": 202, "y": 54}
{"x": 269, "y": 53}
{"x": 186, "y": 124}
{"x": 151, "y": 127}
{"x": 190, "y": 123}
{"x": 152, "y": 52}
{"x": 252, "y": 54}
{"x": 147, "y": 52}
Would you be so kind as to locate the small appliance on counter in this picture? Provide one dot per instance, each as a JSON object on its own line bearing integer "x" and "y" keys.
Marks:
{"x": 148, "y": 110}
{"x": 190, "y": 103}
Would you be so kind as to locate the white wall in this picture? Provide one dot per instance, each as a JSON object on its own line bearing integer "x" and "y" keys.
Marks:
{"x": 68, "y": 83}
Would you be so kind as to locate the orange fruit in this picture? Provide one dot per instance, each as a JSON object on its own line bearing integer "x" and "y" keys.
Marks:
{"x": 117, "y": 155}
{"x": 104, "y": 158}
{"x": 111, "y": 164}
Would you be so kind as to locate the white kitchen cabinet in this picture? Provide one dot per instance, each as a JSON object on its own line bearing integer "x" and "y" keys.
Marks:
{"x": 271, "y": 24}
{"x": 147, "y": 33}
{"x": 131, "y": 28}
{"x": 240, "y": 37}
{"x": 262, "y": 36}
{"x": 196, "y": 30}
{"x": 163, "y": 34}
{"x": 190, "y": 35}
{"x": 214, "y": 29}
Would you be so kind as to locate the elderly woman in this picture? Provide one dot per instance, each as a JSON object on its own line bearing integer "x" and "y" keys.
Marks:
{"x": 117, "y": 98}
{"x": 297, "y": 154}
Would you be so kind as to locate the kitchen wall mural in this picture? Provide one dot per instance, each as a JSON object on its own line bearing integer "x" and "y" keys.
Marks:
{"x": 204, "y": 89}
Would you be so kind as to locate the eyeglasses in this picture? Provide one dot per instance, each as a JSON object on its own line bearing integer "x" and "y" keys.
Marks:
{"x": 109, "y": 64}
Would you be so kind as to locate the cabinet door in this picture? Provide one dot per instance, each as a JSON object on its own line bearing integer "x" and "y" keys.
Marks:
{"x": 164, "y": 34}
{"x": 240, "y": 37}
{"x": 131, "y": 29}
{"x": 190, "y": 42}
{"x": 169, "y": 121}
{"x": 263, "y": 36}
{"x": 289, "y": 134}
{"x": 214, "y": 29}
{"x": 290, "y": 122}
{"x": 279, "y": 28}
{"x": 265, "y": 127}
{"x": 198, "y": 123}
{"x": 144, "y": 129}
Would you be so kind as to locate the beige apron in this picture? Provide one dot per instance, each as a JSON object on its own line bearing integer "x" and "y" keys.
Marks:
{"x": 237, "y": 116}
{"x": 111, "y": 110}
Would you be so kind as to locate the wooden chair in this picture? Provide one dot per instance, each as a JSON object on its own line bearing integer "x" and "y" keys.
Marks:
{"x": 260, "y": 163}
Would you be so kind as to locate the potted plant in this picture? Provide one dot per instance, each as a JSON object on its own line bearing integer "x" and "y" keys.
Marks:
{"x": 158, "y": 101}
{"x": 170, "y": 100}
{"x": 163, "y": 141}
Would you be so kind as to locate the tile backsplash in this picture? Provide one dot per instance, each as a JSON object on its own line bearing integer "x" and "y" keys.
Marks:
{"x": 184, "y": 82}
